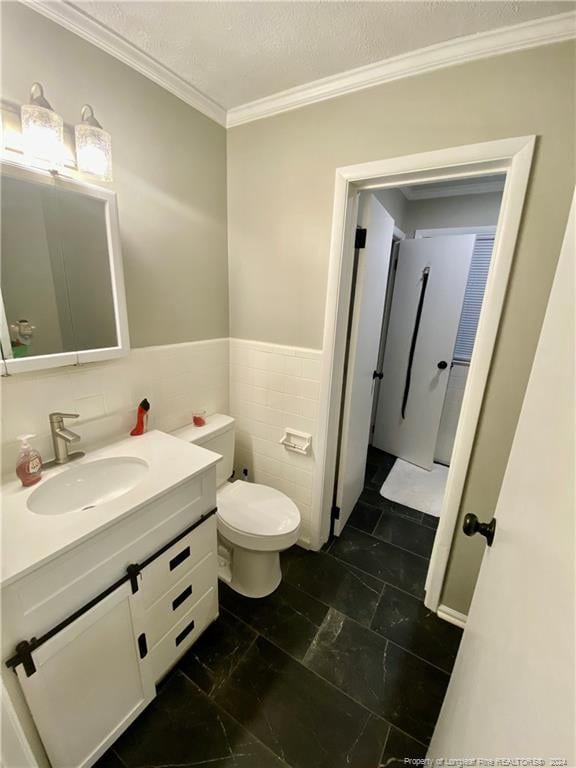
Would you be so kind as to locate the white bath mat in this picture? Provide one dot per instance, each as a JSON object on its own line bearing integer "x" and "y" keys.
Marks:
{"x": 416, "y": 487}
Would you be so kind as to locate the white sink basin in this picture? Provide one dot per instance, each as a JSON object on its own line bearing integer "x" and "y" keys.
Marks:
{"x": 87, "y": 485}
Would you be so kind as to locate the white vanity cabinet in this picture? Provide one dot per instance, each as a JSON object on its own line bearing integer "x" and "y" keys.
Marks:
{"x": 105, "y": 620}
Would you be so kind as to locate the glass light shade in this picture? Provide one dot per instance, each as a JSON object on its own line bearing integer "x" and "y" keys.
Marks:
{"x": 94, "y": 151}
{"x": 42, "y": 135}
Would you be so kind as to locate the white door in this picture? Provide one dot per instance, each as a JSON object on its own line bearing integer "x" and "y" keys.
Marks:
{"x": 428, "y": 294}
{"x": 512, "y": 689}
{"x": 89, "y": 683}
{"x": 370, "y": 294}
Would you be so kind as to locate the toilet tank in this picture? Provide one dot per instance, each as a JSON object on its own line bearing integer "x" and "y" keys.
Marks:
{"x": 218, "y": 436}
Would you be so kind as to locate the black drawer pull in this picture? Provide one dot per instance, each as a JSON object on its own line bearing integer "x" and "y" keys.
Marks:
{"x": 175, "y": 562}
{"x": 185, "y": 632}
{"x": 142, "y": 646}
{"x": 177, "y": 602}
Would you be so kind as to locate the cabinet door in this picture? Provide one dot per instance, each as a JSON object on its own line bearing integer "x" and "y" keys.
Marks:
{"x": 89, "y": 684}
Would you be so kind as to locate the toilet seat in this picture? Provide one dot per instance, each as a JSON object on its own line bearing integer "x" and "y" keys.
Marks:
{"x": 257, "y": 517}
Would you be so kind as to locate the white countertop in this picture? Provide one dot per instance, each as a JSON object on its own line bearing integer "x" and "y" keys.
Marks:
{"x": 29, "y": 539}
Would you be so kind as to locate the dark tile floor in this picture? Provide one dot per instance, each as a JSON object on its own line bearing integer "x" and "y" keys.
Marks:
{"x": 341, "y": 666}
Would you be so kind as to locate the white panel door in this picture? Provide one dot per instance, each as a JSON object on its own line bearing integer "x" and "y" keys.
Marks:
{"x": 89, "y": 684}
{"x": 511, "y": 694}
{"x": 431, "y": 275}
{"x": 370, "y": 294}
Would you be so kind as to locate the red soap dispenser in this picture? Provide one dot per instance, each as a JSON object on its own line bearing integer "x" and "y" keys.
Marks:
{"x": 29, "y": 462}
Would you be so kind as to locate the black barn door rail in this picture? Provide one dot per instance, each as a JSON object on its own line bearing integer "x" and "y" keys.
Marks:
{"x": 25, "y": 648}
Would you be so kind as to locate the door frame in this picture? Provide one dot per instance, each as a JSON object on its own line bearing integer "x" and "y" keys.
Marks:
{"x": 512, "y": 156}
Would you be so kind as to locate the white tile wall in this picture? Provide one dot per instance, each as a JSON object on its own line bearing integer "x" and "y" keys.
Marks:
{"x": 273, "y": 387}
{"x": 176, "y": 379}
{"x": 264, "y": 386}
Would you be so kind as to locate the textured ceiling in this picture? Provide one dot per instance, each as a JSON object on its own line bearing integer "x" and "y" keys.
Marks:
{"x": 236, "y": 52}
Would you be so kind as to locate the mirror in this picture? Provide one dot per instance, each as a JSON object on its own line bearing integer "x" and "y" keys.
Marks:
{"x": 60, "y": 272}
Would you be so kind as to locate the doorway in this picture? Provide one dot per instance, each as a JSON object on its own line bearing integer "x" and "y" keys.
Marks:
{"x": 416, "y": 300}
{"x": 424, "y": 356}
{"x": 422, "y": 258}
{"x": 506, "y": 161}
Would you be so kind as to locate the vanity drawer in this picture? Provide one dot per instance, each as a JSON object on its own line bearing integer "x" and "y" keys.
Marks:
{"x": 173, "y": 645}
{"x": 166, "y": 570}
{"x": 174, "y": 604}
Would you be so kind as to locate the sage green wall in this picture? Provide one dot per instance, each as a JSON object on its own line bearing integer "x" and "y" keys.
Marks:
{"x": 280, "y": 196}
{"x": 169, "y": 173}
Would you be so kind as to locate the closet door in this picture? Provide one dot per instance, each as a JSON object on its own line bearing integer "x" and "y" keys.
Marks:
{"x": 368, "y": 307}
{"x": 428, "y": 295}
{"x": 90, "y": 682}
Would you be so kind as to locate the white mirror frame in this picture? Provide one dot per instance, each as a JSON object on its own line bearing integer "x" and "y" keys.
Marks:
{"x": 22, "y": 364}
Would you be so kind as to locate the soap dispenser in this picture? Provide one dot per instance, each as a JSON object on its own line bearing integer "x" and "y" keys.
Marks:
{"x": 29, "y": 462}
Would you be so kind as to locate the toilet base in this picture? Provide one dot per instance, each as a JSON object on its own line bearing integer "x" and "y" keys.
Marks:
{"x": 248, "y": 572}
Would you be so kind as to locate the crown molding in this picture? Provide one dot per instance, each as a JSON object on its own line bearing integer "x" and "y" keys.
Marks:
{"x": 452, "y": 190}
{"x": 102, "y": 37}
{"x": 551, "y": 29}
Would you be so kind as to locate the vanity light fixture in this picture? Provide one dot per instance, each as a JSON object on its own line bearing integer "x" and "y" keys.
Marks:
{"x": 93, "y": 146}
{"x": 42, "y": 130}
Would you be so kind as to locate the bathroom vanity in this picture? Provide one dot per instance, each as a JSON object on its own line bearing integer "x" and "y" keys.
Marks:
{"x": 100, "y": 600}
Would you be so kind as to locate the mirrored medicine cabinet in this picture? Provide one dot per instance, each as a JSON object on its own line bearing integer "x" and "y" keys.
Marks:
{"x": 61, "y": 278}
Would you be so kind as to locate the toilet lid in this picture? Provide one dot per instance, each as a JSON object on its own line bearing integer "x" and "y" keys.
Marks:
{"x": 257, "y": 509}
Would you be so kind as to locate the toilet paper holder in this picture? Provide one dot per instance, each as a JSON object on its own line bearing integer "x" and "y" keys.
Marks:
{"x": 299, "y": 442}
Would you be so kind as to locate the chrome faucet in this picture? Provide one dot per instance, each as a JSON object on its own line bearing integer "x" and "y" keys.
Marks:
{"x": 61, "y": 438}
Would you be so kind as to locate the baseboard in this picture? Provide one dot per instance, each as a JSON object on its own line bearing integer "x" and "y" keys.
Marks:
{"x": 452, "y": 616}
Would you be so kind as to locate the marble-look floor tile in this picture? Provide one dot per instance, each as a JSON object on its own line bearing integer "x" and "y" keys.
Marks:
{"x": 380, "y": 458}
{"x": 370, "y": 743}
{"x": 373, "y": 498}
{"x": 302, "y": 718}
{"x": 430, "y": 521}
{"x": 369, "y": 472}
{"x": 333, "y": 582}
{"x": 364, "y": 517}
{"x": 109, "y": 760}
{"x": 288, "y": 617}
{"x": 382, "y": 560}
{"x": 404, "y": 533}
{"x": 407, "y": 622}
{"x": 399, "y": 748}
{"x": 385, "y": 462}
{"x": 352, "y": 658}
{"x": 210, "y": 660}
{"x": 386, "y": 679}
{"x": 379, "y": 477}
{"x": 183, "y": 727}
{"x": 416, "y": 692}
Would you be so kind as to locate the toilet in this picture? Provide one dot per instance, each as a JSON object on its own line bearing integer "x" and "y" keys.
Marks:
{"x": 255, "y": 522}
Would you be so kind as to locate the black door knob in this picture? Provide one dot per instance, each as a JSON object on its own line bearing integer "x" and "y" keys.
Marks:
{"x": 472, "y": 526}
{"x": 377, "y": 375}
{"x": 442, "y": 365}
